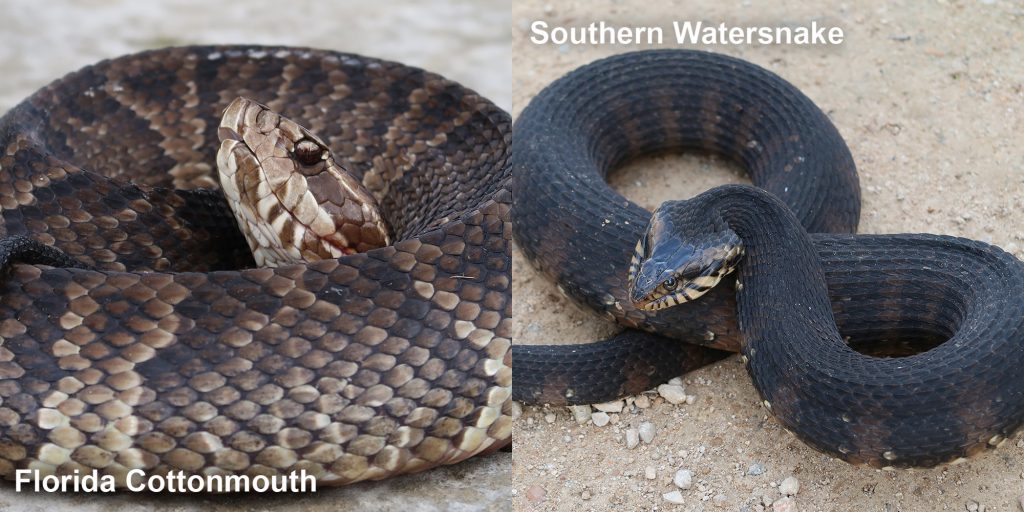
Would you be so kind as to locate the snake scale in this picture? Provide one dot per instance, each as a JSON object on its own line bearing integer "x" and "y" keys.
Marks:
{"x": 813, "y": 315}
{"x": 171, "y": 351}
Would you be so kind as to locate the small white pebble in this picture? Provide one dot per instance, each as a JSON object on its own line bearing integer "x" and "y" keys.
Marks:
{"x": 784, "y": 505}
{"x": 674, "y": 395}
{"x": 642, "y": 402}
{"x": 972, "y": 506}
{"x": 683, "y": 479}
{"x": 581, "y": 413}
{"x": 600, "y": 419}
{"x": 549, "y": 417}
{"x": 675, "y": 381}
{"x": 646, "y": 432}
{"x": 690, "y": 399}
{"x": 650, "y": 473}
{"x": 585, "y": 496}
{"x": 615, "y": 406}
{"x": 632, "y": 438}
{"x": 673, "y": 497}
{"x": 789, "y": 486}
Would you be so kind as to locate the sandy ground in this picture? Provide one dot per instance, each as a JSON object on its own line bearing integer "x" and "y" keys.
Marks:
{"x": 465, "y": 41}
{"x": 930, "y": 99}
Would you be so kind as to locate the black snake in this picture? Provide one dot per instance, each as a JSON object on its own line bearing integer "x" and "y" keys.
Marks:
{"x": 956, "y": 302}
{"x": 171, "y": 351}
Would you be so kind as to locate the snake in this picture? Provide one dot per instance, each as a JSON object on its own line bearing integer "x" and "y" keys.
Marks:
{"x": 140, "y": 330}
{"x": 889, "y": 351}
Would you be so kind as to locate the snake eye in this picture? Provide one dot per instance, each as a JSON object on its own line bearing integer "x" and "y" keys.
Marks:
{"x": 671, "y": 284}
{"x": 308, "y": 152}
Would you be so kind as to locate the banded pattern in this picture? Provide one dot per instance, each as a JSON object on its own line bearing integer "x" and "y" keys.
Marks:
{"x": 796, "y": 292}
{"x": 173, "y": 352}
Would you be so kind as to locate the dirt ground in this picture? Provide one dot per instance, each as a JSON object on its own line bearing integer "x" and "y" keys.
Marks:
{"x": 930, "y": 99}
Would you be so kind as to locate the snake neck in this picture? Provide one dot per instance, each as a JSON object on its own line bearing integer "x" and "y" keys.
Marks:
{"x": 781, "y": 288}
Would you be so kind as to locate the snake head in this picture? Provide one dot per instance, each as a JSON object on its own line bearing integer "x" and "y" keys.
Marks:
{"x": 292, "y": 200}
{"x": 680, "y": 258}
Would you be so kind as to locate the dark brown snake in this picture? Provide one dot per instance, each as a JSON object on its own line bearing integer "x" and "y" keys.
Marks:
{"x": 171, "y": 352}
{"x": 815, "y": 313}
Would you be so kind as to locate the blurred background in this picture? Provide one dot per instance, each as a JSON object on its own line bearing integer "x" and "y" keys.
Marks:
{"x": 467, "y": 41}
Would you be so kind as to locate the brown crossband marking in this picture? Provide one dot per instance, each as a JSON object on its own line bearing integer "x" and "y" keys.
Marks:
{"x": 175, "y": 350}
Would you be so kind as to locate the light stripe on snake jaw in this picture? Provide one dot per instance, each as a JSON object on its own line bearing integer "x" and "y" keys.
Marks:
{"x": 674, "y": 264}
{"x": 292, "y": 200}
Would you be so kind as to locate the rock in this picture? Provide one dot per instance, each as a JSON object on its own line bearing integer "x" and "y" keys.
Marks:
{"x": 646, "y": 432}
{"x": 585, "y": 496}
{"x": 535, "y": 494}
{"x": 789, "y": 486}
{"x": 675, "y": 381}
{"x": 642, "y": 402}
{"x": 784, "y": 505}
{"x": 650, "y": 473}
{"x": 615, "y": 406}
{"x": 755, "y": 469}
{"x": 683, "y": 479}
{"x": 600, "y": 419}
{"x": 690, "y": 399}
{"x": 549, "y": 417}
{"x": 581, "y": 413}
{"x": 673, "y": 497}
{"x": 632, "y": 438}
{"x": 972, "y": 506}
{"x": 672, "y": 394}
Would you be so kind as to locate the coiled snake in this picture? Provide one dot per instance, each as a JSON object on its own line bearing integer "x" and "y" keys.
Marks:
{"x": 958, "y": 302}
{"x": 171, "y": 351}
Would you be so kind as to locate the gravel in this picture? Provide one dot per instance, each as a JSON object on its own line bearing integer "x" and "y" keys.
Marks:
{"x": 600, "y": 419}
{"x": 683, "y": 479}
{"x": 535, "y": 494}
{"x": 646, "y": 432}
{"x": 756, "y": 469}
{"x": 673, "y": 497}
{"x": 789, "y": 486}
{"x": 632, "y": 438}
{"x": 581, "y": 413}
{"x": 784, "y": 505}
{"x": 614, "y": 406}
{"x": 673, "y": 394}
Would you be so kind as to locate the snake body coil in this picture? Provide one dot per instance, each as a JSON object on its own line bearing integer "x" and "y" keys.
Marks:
{"x": 172, "y": 353}
{"x": 959, "y": 298}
